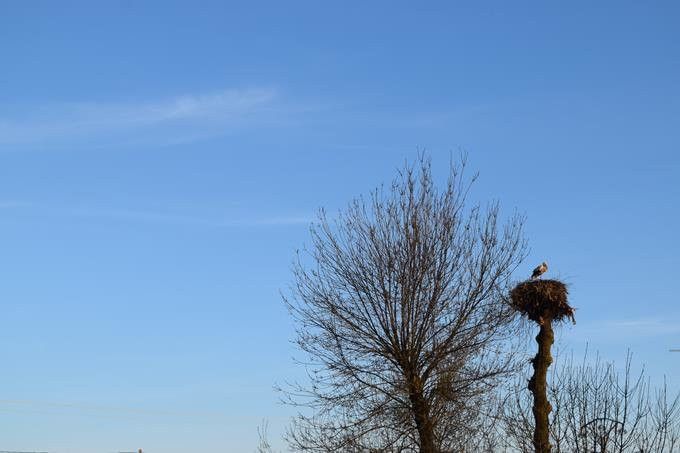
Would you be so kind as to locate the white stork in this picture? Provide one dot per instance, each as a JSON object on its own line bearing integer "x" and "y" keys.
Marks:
{"x": 540, "y": 270}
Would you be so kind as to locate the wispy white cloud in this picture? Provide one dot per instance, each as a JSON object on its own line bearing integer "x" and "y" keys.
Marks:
{"x": 618, "y": 329}
{"x": 651, "y": 326}
{"x": 11, "y": 204}
{"x": 174, "y": 119}
{"x": 294, "y": 220}
{"x": 217, "y": 221}
{"x": 166, "y": 217}
{"x": 47, "y": 407}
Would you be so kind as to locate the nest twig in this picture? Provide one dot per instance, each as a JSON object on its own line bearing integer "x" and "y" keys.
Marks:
{"x": 542, "y": 300}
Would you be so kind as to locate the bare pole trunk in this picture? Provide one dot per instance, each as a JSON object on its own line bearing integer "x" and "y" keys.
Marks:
{"x": 538, "y": 387}
{"x": 544, "y": 302}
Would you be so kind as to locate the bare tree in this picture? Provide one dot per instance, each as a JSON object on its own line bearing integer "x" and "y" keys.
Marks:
{"x": 401, "y": 310}
{"x": 599, "y": 409}
{"x": 263, "y": 445}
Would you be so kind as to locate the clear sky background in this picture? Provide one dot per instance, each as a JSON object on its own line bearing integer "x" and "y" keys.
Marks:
{"x": 160, "y": 163}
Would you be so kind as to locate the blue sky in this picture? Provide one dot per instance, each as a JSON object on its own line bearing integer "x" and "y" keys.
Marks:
{"x": 160, "y": 163}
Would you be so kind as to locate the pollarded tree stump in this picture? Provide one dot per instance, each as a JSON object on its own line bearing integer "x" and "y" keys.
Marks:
{"x": 538, "y": 386}
{"x": 542, "y": 301}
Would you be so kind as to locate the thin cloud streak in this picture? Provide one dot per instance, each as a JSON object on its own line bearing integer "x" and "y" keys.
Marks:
{"x": 646, "y": 326}
{"x": 180, "y": 117}
{"x": 273, "y": 221}
{"x": 12, "y": 204}
{"x": 166, "y": 218}
{"x": 90, "y": 409}
{"x": 175, "y": 219}
{"x": 616, "y": 329}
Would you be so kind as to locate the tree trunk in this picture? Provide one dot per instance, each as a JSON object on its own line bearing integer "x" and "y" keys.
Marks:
{"x": 421, "y": 415}
{"x": 538, "y": 387}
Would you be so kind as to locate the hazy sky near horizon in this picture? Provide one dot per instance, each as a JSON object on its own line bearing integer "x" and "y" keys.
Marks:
{"x": 160, "y": 163}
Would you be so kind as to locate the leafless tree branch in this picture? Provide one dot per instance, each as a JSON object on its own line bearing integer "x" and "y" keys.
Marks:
{"x": 401, "y": 311}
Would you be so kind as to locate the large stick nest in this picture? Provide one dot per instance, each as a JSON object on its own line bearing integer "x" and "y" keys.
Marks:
{"x": 542, "y": 300}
